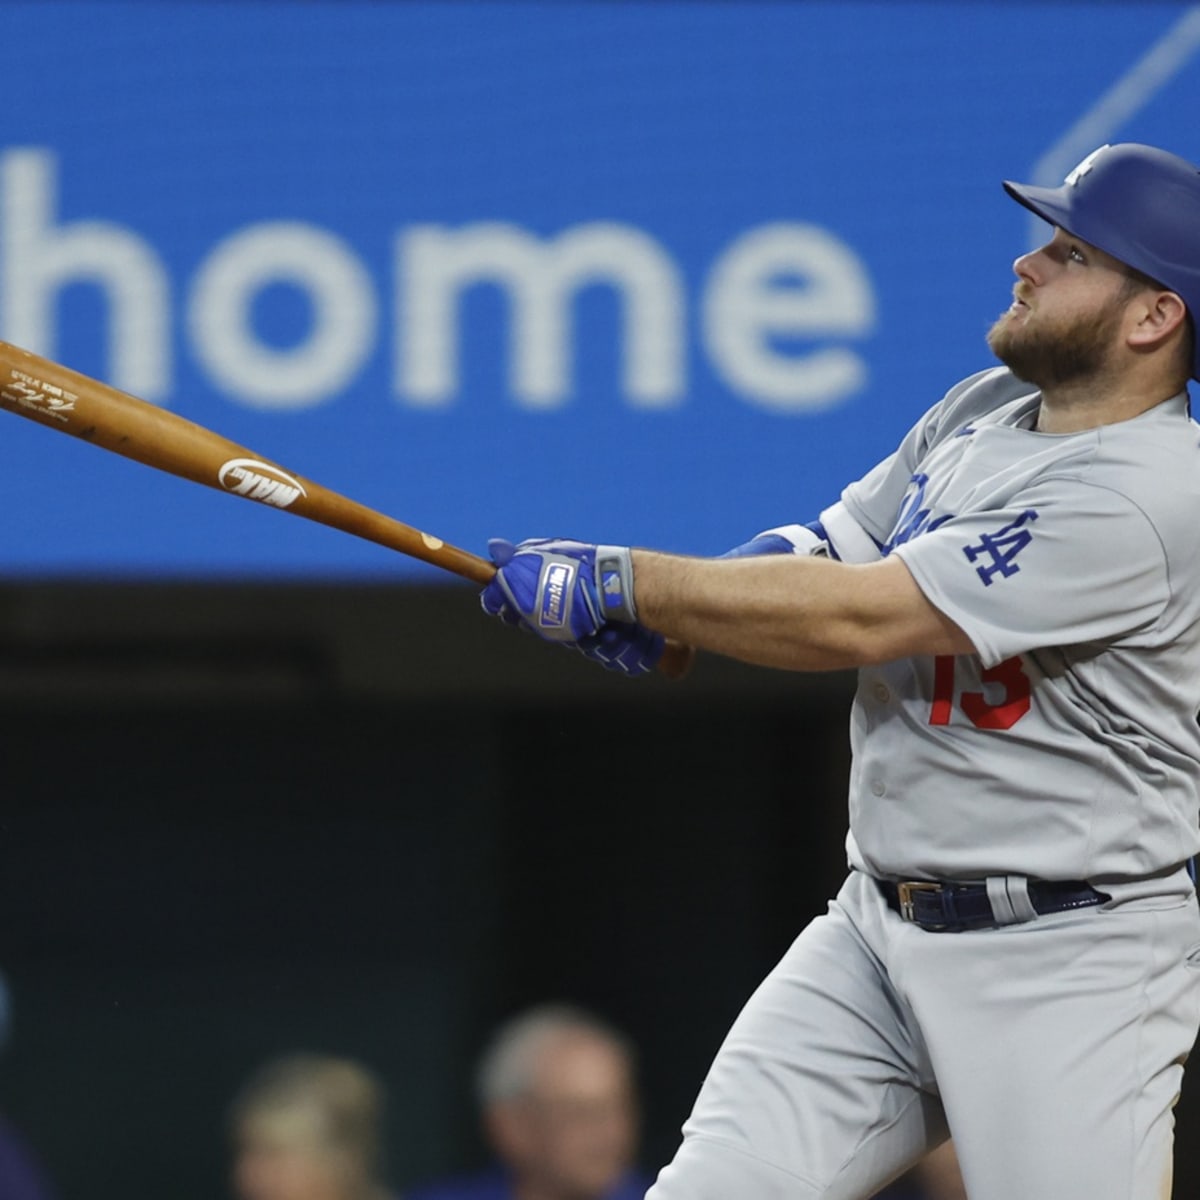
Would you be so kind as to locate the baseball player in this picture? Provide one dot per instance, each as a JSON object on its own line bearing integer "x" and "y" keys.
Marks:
{"x": 1015, "y": 955}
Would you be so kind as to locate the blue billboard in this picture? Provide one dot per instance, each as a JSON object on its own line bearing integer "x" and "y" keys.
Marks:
{"x": 660, "y": 273}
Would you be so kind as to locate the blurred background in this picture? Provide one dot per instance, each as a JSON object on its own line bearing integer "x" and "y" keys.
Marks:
{"x": 662, "y": 273}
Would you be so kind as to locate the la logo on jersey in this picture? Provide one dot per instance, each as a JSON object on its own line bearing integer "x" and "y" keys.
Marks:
{"x": 1002, "y": 548}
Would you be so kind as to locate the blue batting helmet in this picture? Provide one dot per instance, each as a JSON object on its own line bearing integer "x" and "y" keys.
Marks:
{"x": 1139, "y": 204}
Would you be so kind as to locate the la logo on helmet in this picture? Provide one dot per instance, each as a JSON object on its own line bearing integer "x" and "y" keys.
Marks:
{"x": 1084, "y": 167}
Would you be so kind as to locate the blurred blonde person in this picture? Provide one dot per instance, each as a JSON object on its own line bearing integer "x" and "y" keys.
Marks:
{"x": 557, "y": 1100}
{"x": 309, "y": 1127}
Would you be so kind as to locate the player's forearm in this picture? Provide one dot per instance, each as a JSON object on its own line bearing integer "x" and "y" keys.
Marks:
{"x": 792, "y": 612}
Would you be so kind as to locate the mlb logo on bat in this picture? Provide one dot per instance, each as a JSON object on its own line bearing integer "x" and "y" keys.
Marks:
{"x": 260, "y": 481}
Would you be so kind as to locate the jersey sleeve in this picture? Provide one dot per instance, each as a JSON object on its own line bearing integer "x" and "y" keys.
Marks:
{"x": 874, "y": 500}
{"x": 1065, "y": 563}
{"x": 835, "y": 534}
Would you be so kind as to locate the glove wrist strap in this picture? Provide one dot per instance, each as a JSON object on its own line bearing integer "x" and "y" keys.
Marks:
{"x": 614, "y": 583}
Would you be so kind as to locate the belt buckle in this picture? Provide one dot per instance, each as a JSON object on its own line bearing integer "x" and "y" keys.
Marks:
{"x": 906, "y": 889}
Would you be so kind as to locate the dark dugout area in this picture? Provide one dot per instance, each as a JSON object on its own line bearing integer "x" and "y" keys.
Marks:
{"x": 240, "y": 821}
{"x": 244, "y": 820}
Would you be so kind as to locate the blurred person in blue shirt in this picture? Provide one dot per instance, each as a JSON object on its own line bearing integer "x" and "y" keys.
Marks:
{"x": 308, "y": 1127}
{"x": 21, "y": 1178}
{"x": 559, "y": 1107}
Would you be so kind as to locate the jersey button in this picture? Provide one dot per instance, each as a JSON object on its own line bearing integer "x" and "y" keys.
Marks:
{"x": 878, "y": 787}
{"x": 881, "y": 693}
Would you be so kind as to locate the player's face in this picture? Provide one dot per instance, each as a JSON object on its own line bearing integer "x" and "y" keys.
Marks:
{"x": 1066, "y": 318}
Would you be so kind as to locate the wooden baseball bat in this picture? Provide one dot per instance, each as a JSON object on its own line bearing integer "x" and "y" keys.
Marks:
{"x": 62, "y": 399}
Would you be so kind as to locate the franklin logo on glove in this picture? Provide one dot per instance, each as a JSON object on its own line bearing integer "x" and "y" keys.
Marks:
{"x": 554, "y": 593}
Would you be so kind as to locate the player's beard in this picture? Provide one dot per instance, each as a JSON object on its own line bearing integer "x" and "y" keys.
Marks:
{"x": 1052, "y": 354}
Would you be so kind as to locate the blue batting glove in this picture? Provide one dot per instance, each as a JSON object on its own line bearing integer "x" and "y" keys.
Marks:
{"x": 501, "y": 552}
{"x": 630, "y": 649}
{"x": 562, "y": 590}
{"x": 618, "y": 646}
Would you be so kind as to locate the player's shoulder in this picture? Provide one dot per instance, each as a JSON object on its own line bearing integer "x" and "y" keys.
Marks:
{"x": 1159, "y": 448}
{"x": 988, "y": 396}
{"x": 1168, "y": 425}
{"x": 1154, "y": 459}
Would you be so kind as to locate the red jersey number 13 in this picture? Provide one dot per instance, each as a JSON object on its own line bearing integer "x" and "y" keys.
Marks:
{"x": 1004, "y": 714}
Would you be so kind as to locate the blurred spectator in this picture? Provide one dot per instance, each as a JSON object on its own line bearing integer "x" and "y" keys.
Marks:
{"x": 940, "y": 1176}
{"x": 935, "y": 1177}
{"x": 308, "y": 1127}
{"x": 20, "y": 1176}
{"x": 556, "y": 1092}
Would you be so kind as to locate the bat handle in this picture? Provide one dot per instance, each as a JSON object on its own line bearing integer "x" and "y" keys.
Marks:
{"x": 468, "y": 566}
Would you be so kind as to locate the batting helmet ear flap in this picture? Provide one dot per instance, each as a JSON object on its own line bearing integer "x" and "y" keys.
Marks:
{"x": 1137, "y": 203}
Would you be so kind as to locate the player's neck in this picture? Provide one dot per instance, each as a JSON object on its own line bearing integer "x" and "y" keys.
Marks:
{"x": 1090, "y": 403}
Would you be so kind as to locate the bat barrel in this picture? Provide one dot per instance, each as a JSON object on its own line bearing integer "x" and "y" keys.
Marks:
{"x": 56, "y": 396}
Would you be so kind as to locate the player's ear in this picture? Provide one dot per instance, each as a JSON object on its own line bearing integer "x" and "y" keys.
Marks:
{"x": 1157, "y": 315}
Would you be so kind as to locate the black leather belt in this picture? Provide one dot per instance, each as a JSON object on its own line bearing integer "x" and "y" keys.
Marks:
{"x": 954, "y": 907}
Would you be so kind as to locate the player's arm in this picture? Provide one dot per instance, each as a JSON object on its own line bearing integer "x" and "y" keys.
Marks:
{"x": 799, "y": 613}
{"x": 849, "y": 531}
{"x": 634, "y": 649}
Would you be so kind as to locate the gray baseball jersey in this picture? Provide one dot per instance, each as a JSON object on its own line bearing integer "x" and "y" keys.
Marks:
{"x": 1069, "y": 747}
{"x": 1066, "y": 748}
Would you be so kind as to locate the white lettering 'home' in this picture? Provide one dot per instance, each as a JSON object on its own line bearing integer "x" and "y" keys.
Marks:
{"x": 780, "y": 308}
